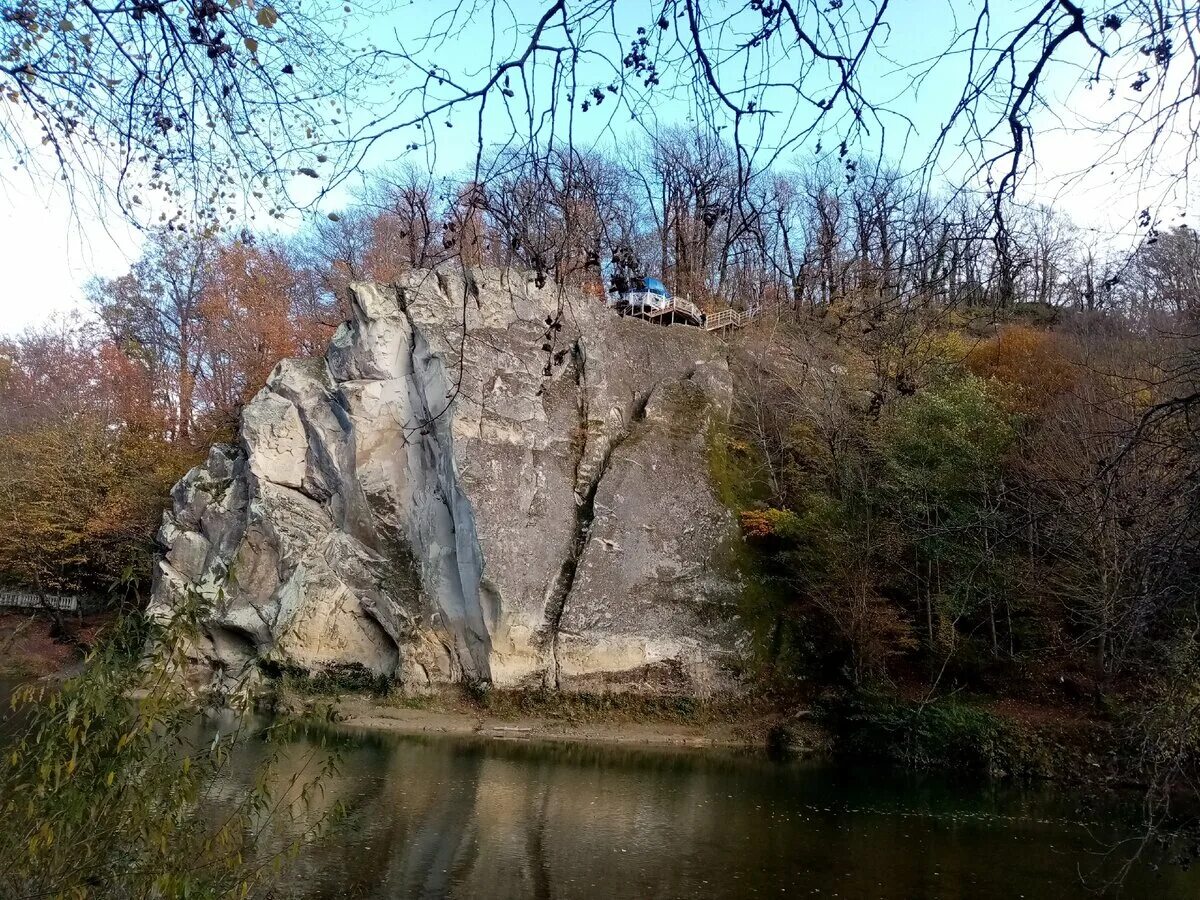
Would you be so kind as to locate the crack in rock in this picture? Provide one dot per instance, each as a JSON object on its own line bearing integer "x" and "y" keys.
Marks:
{"x": 585, "y": 506}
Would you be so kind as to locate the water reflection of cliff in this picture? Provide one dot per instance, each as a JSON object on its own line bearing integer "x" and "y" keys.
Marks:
{"x": 464, "y": 820}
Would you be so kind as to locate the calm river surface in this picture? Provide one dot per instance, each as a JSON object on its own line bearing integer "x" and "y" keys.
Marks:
{"x": 447, "y": 818}
{"x": 432, "y": 818}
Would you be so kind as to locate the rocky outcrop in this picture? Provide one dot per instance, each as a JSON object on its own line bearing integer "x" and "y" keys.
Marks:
{"x": 483, "y": 480}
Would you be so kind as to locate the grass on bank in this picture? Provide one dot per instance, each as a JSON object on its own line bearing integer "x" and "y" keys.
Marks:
{"x": 953, "y": 734}
{"x": 508, "y": 703}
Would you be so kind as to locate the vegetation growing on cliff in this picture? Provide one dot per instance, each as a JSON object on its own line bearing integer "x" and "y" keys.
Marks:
{"x": 995, "y": 538}
{"x": 996, "y": 511}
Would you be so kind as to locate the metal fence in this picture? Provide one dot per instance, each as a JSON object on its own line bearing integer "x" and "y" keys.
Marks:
{"x": 30, "y": 600}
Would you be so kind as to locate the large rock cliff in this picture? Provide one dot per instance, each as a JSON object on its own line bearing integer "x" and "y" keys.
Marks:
{"x": 526, "y": 505}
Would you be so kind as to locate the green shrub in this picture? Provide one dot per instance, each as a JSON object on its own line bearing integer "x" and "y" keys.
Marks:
{"x": 106, "y": 787}
{"x": 943, "y": 734}
{"x": 605, "y": 706}
{"x": 337, "y": 678}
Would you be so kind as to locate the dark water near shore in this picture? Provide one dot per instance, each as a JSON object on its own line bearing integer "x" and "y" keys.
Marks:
{"x": 431, "y": 818}
{"x": 465, "y": 819}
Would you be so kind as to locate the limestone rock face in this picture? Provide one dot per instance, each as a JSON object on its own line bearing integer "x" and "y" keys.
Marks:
{"x": 524, "y": 501}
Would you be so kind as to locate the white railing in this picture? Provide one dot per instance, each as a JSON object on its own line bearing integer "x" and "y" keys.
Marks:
{"x": 676, "y": 305}
{"x": 725, "y": 318}
{"x": 730, "y": 318}
{"x": 30, "y": 600}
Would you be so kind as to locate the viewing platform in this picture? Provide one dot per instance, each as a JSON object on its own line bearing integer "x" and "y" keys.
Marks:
{"x": 654, "y": 304}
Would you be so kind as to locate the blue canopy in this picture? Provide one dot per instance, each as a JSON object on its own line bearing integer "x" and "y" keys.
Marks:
{"x": 654, "y": 286}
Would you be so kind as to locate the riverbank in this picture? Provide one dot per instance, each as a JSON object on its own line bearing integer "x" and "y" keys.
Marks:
{"x": 980, "y": 737}
{"x": 360, "y": 712}
{"x": 997, "y": 738}
{"x": 612, "y": 719}
{"x": 39, "y": 645}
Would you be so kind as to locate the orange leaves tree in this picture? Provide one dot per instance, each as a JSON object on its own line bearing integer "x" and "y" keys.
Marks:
{"x": 1034, "y": 367}
{"x": 206, "y": 320}
{"x": 87, "y": 461}
{"x": 79, "y": 503}
{"x": 252, "y": 317}
{"x": 99, "y": 419}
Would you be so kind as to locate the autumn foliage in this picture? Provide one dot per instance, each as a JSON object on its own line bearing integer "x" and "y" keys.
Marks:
{"x": 1032, "y": 364}
{"x": 87, "y": 460}
{"x": 251, "y": 318}
{"x": 99, "y": 416}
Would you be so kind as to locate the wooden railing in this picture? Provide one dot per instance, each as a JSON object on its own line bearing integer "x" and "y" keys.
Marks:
{"x": 725, "y": 318}
{"x": 677, "y": 305}
{"x": 30, "y": 600}
{"x": 729, "y": 318}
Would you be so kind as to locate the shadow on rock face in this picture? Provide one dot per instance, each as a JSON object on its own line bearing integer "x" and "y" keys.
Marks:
{"x": 427, "y": 503}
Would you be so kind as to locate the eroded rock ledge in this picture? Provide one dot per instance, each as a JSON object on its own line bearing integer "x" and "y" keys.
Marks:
{"x": 440, "y": 509}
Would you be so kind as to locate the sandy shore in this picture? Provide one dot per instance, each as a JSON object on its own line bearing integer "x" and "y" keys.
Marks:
{"x": 360, "y": 712}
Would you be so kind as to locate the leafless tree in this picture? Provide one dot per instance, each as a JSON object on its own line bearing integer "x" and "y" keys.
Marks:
{"x": 1163, "y": 278}
{"x": 197, "y": 111}
{"x": 406, "y": 214}
{"x": 155, "y": 311}
{"x": 215, "y": 104}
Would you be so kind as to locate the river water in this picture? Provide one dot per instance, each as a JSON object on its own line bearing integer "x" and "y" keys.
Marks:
{"x": 433, "y": 818}
{"x": 452, "y": 818}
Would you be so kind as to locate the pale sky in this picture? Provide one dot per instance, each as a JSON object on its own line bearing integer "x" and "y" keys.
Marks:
{"x": 50, "y": 250}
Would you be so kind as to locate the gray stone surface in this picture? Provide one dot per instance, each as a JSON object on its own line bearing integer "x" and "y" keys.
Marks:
{"x": 526, "y": 506}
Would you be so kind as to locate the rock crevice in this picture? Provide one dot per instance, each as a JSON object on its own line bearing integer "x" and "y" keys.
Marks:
{"x": 586, "y": 486}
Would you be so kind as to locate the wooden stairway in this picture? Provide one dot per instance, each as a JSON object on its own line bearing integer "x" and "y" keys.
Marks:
{"x": 679, "y": 309}
{"x": 729, "y": 318}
